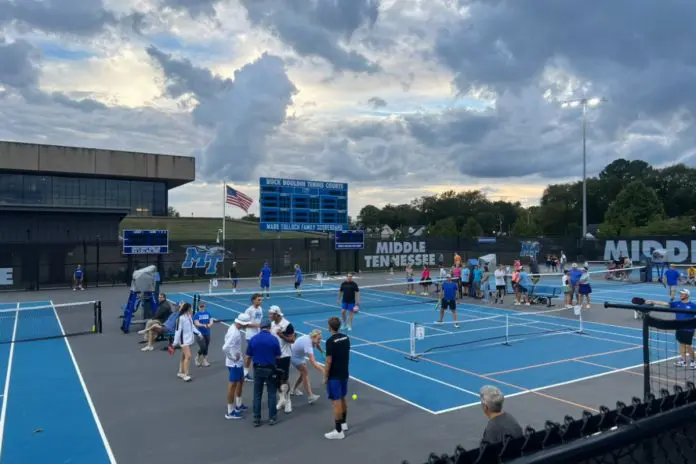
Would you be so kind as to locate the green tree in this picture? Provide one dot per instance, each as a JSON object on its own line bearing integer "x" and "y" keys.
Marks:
{"x": 635, "y": 206}
{"x": 172, "y": 212}
{"x": 250, "y": 218}
{"x": 369, "y": 216}
{"x": 525, "y": 228}
{"x": 472, "y": 228}
{"x": 444, "y": 228}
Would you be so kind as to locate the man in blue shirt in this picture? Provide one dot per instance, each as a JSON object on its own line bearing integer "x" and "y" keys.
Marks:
{"x": 525, "y": 283}
{"x": 263, "y": 351}
{"x": 298, "y": 279}
{"x": 265, "y": 279}
{"x": 78, "y": 278}
{"x": 476, "y": 281}
{"x": 449, "y": 299}
{"x": 672, "y": 279}
{"x": 685, "y": 337}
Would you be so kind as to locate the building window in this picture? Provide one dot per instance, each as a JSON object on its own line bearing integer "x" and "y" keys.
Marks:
{"x": 118, "y": 194}
{"x": 37, "y": 190}
{"x": 11, "y": 189}
{"x": 93, "y": 193}
{"x": 142, "y": 195}
{"x": 66, "y": 191}
{"x": 160, "y": 200}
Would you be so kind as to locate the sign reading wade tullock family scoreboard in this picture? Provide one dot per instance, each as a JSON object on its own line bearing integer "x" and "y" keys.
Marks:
{"x": 303, "y": 205}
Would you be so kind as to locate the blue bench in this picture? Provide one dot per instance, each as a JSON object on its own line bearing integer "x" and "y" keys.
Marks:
{"x": 544, "y": 294}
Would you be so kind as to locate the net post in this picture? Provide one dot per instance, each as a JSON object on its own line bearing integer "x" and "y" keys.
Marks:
{"x": 412, "y": 341}
{"x": 99, "y": 317}
{"x": 646, "y": 358}
{"x": 582, "y": 323}
{"x": 507, "y": 330}
{"x": 210, "y": 286}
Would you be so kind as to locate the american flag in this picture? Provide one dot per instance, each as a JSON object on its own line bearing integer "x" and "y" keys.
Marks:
{"x": 237, "y": 198}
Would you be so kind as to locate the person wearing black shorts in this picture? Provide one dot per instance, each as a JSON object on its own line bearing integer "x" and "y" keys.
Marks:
{"x": 285, "y": 333}
{"x": 336, "y": 377}
{"x": 448, "y": 300}
{"x": 684, "y": 336}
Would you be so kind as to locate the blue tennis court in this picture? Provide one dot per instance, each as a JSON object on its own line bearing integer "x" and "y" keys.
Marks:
{"x": 46, "y": 409}
{"x": 449, "y": 378}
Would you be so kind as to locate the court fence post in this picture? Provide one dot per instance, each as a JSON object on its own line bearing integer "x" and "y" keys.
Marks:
{"x": 507, "y": 329}
{"x": 646, "y": 357}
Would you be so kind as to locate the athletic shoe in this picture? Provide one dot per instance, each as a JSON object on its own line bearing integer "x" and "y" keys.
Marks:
{"x": 295, "y": 392}
{"x": 248, "y": 378}
{"x": 273, "y": 421}
{"x": 344, "y": 427}
{"x": 257, "y": 423}
{"x": 242, "y": 408}
{"x": 334, "y": 435}
{"x": 187, "y": 378}
{"x": 205, "y": 363}
{"x": 142, "y": 332}
{"x": 312, "y": 398}
{"x": 147, "y": 348}
{"x": 234, "y": 415}
{"x": 692, "y": 365}
{"x": 181, "y": 375}
{"x": 456, "y": 326}
{"x": 680, "y": 363}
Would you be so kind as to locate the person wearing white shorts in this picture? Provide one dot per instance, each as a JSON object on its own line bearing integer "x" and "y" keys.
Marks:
{"x": 302, "y": 350}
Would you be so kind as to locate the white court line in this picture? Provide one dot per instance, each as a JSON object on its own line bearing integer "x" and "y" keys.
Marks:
{"x": 105, "y": 440}
{"x": 367, "y": 384}
{"x": 8, "y": 377}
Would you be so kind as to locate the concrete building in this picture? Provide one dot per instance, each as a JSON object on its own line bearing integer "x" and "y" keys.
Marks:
{"x": 52, "y": 197}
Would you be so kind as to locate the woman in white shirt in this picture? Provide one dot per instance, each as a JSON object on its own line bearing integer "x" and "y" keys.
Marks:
{"x": 499, "y": 284}
{"x": 302, "y": 349}
{"x": 185, "y": 336}
{"x": 565, "y": 286}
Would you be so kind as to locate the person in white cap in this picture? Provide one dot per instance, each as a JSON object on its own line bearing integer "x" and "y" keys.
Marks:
{"x": 685, "y": 337}
{"x": 234, "y": 360}
{"x": 255, "y": 313}
{"x": 285, "y": 333}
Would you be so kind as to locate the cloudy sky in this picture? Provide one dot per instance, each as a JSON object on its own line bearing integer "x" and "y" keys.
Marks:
{"x": 400, "y": 98}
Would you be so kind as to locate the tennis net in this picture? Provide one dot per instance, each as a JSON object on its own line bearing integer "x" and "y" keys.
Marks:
{"x": 224, "y": 306}
{"x": 631, "y": 275}
{"x": 503, "y": 328}
{"x": 32, "y": 323}
{"x": 281, "y": 282}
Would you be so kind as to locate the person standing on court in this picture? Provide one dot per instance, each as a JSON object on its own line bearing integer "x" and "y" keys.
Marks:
{"x": 449, "y": 299}
{"x": 203, "y": 322}
{"x": 255, "y": 313}
{"x": 574, "y": 274}
{"x": 500, "y": 424}
{"x": 672, "y": 280}
{"x": 336, "y": 377}
{"x": 285, "y": 333}
{"x": 298, "y": 280}
{"x": 265, "y": 279}
{"x": 78, "y": 278}
{"x": 234, "y": 360}
{"x": 685, "y": 337}
{"x": 234, "y": 276}
{"x": 184, "y": 337}
{"x": 263, "y": 353}
{"x": 349, "y": 299}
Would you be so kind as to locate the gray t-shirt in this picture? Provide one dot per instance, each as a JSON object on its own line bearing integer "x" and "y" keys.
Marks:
{"x": 500, "y": 426}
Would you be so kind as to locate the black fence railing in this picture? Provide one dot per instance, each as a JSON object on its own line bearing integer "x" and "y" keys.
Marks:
{"x": 36, "y": 265}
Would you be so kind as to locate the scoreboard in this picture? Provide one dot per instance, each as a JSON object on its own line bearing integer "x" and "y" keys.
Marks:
{"x": 303, "y": 205}
{"x": 350, "y": 240}
{"x": 145, "y": 242}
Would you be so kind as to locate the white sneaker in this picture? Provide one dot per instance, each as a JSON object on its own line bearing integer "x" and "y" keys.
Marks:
{"x": 680, "y": 363}
{"x": 142, "y": 332}
{"x": 344, "y": 427}
{"x": 187, "y": 378}
{"x": 297, "y": 393}
{"x": 181, "y": 375}
{"x": 198, "y": 361}
{"x": 234, "y": 290}
{"x": 288, "y": 406}
{"x": 281, "y": 402}
{"x": 205, "y": 363}
{"x": 334, "y": 435}
{"x": 692, "y": 365}
{"x": 312, "y": 398}
{"x": 147, "y": 348}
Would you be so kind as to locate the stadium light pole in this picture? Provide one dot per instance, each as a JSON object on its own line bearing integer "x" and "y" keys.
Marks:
{"x": 584, "y": 103}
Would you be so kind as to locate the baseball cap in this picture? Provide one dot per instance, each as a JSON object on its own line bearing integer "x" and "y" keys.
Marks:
{"x": 685, "y": 291}
{"x": 265, "y": 324}
{"x": 275, "y": 310}
{"x": 242, "y": 319}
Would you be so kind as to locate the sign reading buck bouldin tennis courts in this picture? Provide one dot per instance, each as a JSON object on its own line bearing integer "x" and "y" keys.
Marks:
{"x": 402, "y": 253}
{"x": 678, "y": 251}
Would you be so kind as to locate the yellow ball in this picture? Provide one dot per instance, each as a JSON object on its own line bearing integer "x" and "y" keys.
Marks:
{"x": 355, "y": 397}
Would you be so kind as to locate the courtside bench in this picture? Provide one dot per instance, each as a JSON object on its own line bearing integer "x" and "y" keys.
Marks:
{"x": 544, "y": 294}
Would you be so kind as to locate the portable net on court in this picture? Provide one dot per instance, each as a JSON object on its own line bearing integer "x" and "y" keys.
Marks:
{"x": 32, "y": 323}
{"x": 225, "y": 306}
{"x": 225, "y": 284}
{"x": 605, "y": 277}
{"x": 505, "y": 328}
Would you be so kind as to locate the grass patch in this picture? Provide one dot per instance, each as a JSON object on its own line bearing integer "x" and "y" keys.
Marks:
{"x": 206, "y": 229}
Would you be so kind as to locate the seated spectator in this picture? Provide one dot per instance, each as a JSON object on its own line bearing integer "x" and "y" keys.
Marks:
{"x": 500, "y": 424}
{"x": 155, "y": 326}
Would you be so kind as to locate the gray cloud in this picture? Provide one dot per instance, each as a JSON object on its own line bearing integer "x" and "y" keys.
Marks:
{"x": 195, "y": 8}
{"x": 71, "y": 17}
{"x": 242, "y": 113}
{"x": 377, "y": 102}
{"x": 320, "y": 28}
{"x": 20, "y": 72}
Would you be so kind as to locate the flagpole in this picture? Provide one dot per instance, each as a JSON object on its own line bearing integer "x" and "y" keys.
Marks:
{"x": 224, "y": 221}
